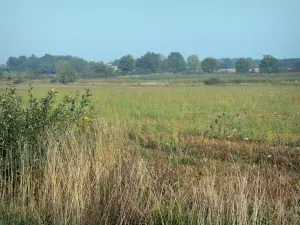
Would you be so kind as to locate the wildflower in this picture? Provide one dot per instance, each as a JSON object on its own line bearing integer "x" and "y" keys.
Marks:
{"x": 269, "y": 156}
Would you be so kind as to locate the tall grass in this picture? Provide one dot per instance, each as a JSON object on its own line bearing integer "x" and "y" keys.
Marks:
{"x": 95, "y": 174}
{"x": 266, "y": 113}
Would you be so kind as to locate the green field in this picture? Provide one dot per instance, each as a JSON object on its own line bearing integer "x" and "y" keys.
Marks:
{"x": 259, "y": 113}
{"x": 165, "y": 152}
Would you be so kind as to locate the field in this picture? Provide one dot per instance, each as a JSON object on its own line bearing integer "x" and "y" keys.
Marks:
{"x": 167, "y": 150}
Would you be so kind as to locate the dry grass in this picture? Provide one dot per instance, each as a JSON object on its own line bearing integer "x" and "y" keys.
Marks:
{"x": 97, "y": 175}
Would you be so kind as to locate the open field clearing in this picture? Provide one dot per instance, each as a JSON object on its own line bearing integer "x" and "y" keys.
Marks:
{"x": 259, "y": 113}
{"x": 165, "y": 155}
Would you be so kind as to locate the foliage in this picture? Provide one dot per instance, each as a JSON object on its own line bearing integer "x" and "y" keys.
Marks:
{"x": 226, "y": 63}
{"x": 193, "y": 63}
{"x": 126, "y": 64}
{"x": 214, "y": 80}
{"x": 242, "y": 65}
{"x": 22, "y": 128}
{"x": 100, "y": 67}
{"x": 289, "y": 63}
{"x": 150, "y": 61}
{"x": 12, "y": 62}
{"x": 36, "y": 67}
{"x": 176, "y": 62}
{"x": 209, "y": 65}
{"x": 268, "y": 64}
{"x": 98, "y": 172}
{"x": 65, "y": 72}
{"x": 115, "y": 62}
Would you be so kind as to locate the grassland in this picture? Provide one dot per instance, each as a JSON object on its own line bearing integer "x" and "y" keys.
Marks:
{"x": 168, "y": 154}
{"x": 259, "y": 113}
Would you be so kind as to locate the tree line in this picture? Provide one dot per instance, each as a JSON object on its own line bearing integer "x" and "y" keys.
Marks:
{"x": 65, "y": 68}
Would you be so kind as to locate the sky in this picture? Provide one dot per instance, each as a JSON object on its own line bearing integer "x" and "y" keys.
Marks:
{"x": 105, "y": 30}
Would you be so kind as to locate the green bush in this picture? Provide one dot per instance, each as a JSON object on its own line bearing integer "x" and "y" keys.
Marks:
{"x": 214, "y": 80}
{"x": 24, "y": 128}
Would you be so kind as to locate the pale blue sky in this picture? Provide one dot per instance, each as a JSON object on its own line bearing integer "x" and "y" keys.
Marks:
{"x": 105, "y": 30}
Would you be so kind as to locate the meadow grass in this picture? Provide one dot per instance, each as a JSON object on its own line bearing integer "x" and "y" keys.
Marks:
{"x": 95, "y": 175}
{"x": 166, "y": 155}
{"x": 260, "y": 113}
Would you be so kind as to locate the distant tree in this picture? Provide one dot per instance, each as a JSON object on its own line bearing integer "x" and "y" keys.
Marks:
{"x": 150, "y": 61}
{"x": 227, "y": 63}
{"x": 193, "y": 63}
{"x": 1, "y": 74}
{"x": 31, "y": 63}
{"x": 99, "y": 67}
{"x": 126, "y": 63}
{"x": 22, "y": 59}
{"x": 289, "y": 63}
{"x": 47, "y": 64}
{"x": 164, "y": 64}
{"x": 242, "y": 65}
{"x": 268, "y": 64}
{"x": 209, "y": 65}
{"x": 176, "y": 62}
{"x": 13, "y": 62}
{"x": 79, "y": 64}
{"x": 115, "y": 62}
{"x": 65, "y": 72}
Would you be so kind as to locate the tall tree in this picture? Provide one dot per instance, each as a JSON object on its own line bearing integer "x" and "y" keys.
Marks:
{"x": 99, "y": 67}
{"x": 115, "y": 62}
{"x": 176, "y": 62}
{"x": 193, "y": 63}
{"x": 268, "y": 64}
{"x": 65, "y": 72}
{"x": 13, "y": 62}
{"x": 31, "y": 63}
{"x": 209, "y": 65}
{"x": 126, "y": 63}
{"x": 227, "y": 63}
{"x": 47, "y": 64}
{"x": 242, "y": 65}
{"x": 150, "y": 61}
{"x": 22, "y": 59}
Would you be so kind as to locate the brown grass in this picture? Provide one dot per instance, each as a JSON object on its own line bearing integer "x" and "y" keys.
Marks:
{"x": 99, "y": 176}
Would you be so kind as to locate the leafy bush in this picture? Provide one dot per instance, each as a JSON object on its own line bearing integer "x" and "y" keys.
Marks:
{"x": 24, "y": 128}
{"x": 214, "y": 80}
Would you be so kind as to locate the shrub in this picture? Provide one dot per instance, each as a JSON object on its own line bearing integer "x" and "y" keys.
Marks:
{"x": 26, "y": 127}
{"x": 214, "y": 80}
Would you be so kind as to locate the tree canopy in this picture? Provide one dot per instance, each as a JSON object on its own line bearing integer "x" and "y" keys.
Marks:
{"x": 268, "y": 64}
{"x": 150, "y": 61}
{"x": 242, "y": 65}
{"x": 193, "y": 63}
{"x": 176, "y": 62}
{"x": 65, "y": 72}
{"x": 126, "y": 63}
{"x": 45, "y": 66}
{"x": 209, "y": 65}
{"x": 226, "y": 63}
